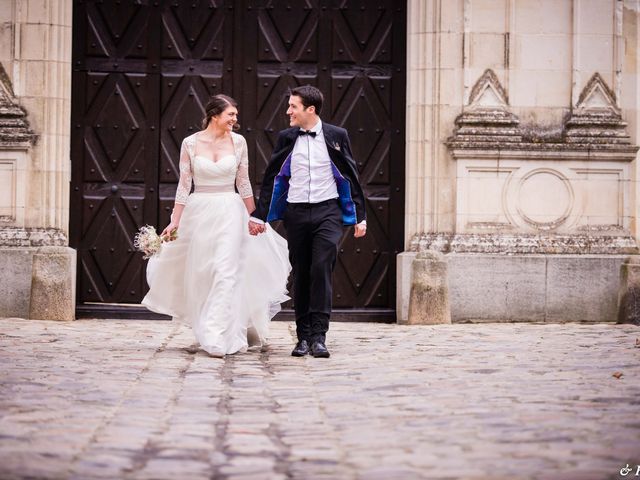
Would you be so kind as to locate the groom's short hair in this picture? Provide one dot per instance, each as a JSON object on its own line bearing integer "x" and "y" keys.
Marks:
{"x": 309, "y": 96}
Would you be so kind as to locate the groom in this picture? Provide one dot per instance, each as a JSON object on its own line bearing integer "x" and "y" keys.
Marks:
{"x": 311, "y": 183}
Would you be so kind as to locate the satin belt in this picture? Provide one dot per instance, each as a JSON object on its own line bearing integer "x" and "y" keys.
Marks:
{"x": 214, "y": 189}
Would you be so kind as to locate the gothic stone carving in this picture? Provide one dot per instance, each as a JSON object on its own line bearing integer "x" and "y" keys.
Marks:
{"x": 566, "y": 191}
{"x": 14, "y": 127}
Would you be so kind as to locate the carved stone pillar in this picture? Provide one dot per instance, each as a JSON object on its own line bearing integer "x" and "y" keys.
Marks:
{"x": 35, "y": 102}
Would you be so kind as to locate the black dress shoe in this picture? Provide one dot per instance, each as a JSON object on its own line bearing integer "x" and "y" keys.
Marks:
{"x": 319, "y": 350}
{"x": 302, "y": 349}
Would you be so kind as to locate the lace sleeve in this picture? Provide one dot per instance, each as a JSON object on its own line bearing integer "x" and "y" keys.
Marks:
{"x": 186, "y": 175}
{"x": 242, "y": 175}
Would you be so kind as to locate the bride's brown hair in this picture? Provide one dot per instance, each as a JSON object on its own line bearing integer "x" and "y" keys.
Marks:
{"x": 215, "y": 106}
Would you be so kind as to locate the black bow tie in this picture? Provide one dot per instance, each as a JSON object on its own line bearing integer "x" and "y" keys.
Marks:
{"x": 307, "y": 132}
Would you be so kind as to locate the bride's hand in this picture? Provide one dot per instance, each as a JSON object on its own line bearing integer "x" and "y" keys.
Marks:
{"x": 167, "y": 232}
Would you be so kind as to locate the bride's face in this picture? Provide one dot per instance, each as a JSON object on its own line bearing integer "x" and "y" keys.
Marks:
{"x": 227, "y": 119}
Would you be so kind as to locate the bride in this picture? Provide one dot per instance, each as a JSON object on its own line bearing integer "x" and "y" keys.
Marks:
{"x": 216, "y": 277}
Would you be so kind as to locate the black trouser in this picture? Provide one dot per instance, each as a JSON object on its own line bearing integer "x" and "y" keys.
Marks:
{"x": 313, "y": 233}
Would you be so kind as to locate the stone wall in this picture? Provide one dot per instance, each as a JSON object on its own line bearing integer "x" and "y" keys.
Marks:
{"x": 522, "y": 145}
{"x": 542, "y": 55}
{"x": 35, "y": 50}
{"x": 35, "y": 107}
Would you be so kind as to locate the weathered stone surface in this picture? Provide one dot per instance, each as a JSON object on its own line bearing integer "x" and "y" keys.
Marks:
{"x": 404, "y": 268}
{"x": 429, "y": 301}
{"x": 524, "y": 288}
{"x": 629, "y": 297}
{"x": 510, "y": 244}
{"x": 122, "y": 399}
{"x": 582, "y": 288}
{"x": 487, "y": 124}
{"x": 53, "y": 284}
{"x": 15, "y": 281}
{"x": 32, "y": 237}
{"x": 14, "y": 127}
{"x": 490, "y": 288}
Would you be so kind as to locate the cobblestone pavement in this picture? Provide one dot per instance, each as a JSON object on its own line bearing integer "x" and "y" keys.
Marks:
{"x": 125, "y": 400}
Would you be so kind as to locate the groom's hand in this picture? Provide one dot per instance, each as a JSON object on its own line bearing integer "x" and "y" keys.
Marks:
{"x": 360, "y": 230}
{"x": 256, "y": 228}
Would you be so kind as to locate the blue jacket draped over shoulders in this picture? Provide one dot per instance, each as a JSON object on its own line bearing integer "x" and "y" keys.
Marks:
{"x": 272, "y": 202}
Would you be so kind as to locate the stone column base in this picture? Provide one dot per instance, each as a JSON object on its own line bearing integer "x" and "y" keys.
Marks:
{"x": 53, "y": 284}
{"x": 15, "y": 282}
{"x": 629, "y": 298}
{"x": 429, "y": 298}
{"x": 38, "y": 282}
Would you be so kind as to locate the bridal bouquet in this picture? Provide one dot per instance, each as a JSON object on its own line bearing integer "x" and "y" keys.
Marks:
{"x": 149, "y": 242}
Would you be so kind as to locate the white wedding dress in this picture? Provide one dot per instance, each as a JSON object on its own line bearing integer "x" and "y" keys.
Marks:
{"x": 216, "y": 277}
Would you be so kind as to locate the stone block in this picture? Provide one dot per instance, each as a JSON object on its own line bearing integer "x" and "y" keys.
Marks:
{"x": 531, "y": 287}
{"x": 543, "y": 52}
{"x": 15, "y": 281}
{"x": 38, "y": 11}
{"x": 494, "y": 288}
{"x": 32, "y": 46}
{"x": 629, "y": 296}
{"x": 591, "y": 14}
{"x": 488, "y": 16}
{"x": 534, "y": 17}
{"x": 487, "y": 50}
{"x": 429, "y": 298}
{"x": 595, "y": 55}
{"x": 53, "y": 284}
{"x": 582, "y": 288}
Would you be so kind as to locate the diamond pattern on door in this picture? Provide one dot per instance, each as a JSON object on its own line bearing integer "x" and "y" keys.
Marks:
{"x": 116, "y": 32}
{"x": 288, "y": 32}
{"x": 193, "y": 30}
{"x": 113, "y": 186}
{"x": 143, "y": 72}
{"x": 353, "y": 67}
{"x": 109, "y": 261}
{"x": 113, "y": 142}
{"x": 362, "y": 32}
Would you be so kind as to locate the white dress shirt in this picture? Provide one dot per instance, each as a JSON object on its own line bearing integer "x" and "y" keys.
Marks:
{"x": 312, "y": 178}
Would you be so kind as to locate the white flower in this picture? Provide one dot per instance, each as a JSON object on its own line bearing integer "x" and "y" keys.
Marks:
{"x": 147, "y": 241}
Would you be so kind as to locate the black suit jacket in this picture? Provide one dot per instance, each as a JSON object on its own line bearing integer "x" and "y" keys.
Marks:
{"x": 275, "y": 184}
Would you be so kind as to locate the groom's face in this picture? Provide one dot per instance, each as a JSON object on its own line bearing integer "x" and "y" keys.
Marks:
{"x": 299, "y": 116}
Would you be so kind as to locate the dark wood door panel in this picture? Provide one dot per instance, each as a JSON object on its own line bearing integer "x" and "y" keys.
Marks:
{"x": 114, "y": 181}
{"x": 193, "y": 30}
{"x": 116, "y": 36}
{"x": 348, "y": 53}
{"x": 143, "y": 72}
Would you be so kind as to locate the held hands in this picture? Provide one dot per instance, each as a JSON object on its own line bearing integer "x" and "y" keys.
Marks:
{"x": 256, "y": 228}
{"x": 360, "y": 230}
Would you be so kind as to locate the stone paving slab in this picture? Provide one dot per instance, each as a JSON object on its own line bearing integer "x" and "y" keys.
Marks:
{"x": 125, "y": 400}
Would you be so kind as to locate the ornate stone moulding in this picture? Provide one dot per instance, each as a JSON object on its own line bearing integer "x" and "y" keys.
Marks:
{"x": 14, "y": 127}
{"x": 518, "y": 244}
{"x": 531, "y": 190}
{"x": 594, "y": 129}
{"x": 31, "y": 237}
{"x": 486, "y": 120}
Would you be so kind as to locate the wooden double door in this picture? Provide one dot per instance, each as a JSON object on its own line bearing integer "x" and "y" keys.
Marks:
{"x": 142, "y": 73}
